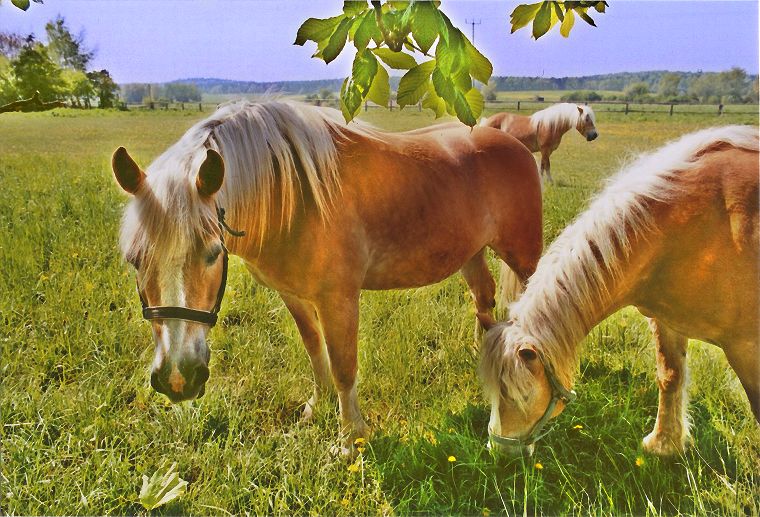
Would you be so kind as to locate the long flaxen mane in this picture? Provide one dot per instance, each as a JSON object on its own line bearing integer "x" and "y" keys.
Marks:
{"x": 560, "y": 117}
{"x": 276, "y": 154}
{"x": 556, "y": 310}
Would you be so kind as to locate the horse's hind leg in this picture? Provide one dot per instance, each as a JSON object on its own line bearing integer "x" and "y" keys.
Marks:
{"x": 671, "y": 429}
{"x": 743, "y": 360}
{"x": 307, "y": 322}
{"x": 482, "y": 287}
{"x": 546, "y": 166}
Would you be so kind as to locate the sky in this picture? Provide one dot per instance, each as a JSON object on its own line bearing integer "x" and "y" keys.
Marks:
{"x": 164, "y": 40}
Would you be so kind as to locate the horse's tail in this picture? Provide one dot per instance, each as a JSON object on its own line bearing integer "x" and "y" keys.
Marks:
{"x": 510, "y": 289}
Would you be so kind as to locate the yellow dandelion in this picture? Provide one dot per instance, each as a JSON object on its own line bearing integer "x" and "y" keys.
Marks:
{"x": 486, "y": 512}
{"x": 354, "y": 467}
{"x": 75, "y": 255}
{"x": 359, "y": 442}
{"x": 639, "y": 461}
{"x": 579, "y": 426}
{"x": 345, "y": 502}
{"x": 539, "y": 466}
{"x": 451, "y": 429}
{"x": 452, "y": 459}
{"x": 360, "y": 450}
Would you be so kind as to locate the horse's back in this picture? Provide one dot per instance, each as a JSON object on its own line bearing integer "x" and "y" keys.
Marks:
{"x": 518, "y": 126}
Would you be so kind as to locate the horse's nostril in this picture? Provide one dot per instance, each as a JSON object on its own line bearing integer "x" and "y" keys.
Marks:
{"x": 201, "y": 374}
{"x": 154, "y": 382}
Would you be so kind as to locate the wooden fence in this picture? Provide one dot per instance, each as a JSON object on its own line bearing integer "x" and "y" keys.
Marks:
{"x": 526, "y": 106}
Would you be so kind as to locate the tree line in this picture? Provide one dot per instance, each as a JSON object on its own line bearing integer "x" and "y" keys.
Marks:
{"x": 58, "y": 69}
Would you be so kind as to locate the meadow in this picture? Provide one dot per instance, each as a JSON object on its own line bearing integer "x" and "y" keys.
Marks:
{"x": 81, "y": 425}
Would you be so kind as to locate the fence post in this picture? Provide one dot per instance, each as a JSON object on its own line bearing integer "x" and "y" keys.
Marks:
{"x": 720, "y": 109}
{"x": 626, "y": 108}
{"x": 518, "y": 105}
{"x": 419, "y": 106}
{"x": 182, "y": 106}
{"x": 200, "y": 107}
{"x": 366, "y": 106}
{"x": 390, "y": 104}
{"x": 671, "y": 110}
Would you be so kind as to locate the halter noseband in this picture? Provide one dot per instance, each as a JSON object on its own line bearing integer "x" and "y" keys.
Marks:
{"x": 185, "y": 313}
{"x": 559, "y": 392}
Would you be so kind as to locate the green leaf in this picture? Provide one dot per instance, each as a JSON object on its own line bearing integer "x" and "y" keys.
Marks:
{"x": 543, "y": 20}
{"x": 523, "y": 15}
{"x": 585, "y": 17}
{"x": 337, "y": 40}
{"x": 380, "y": 90}
{"x": 21, "y": 4}
{"x": 366, "y": 30}
{"x": 462, "y": 80}
{"x": 414, "y": 83}
{"x": 398, "y": 60}
{"x": 425, "y": 25}
{"x": 600, "y": 7}
{"x": 480, "y": 67}
{"x": 567, "y": 23}
{"x": 434, "y": 102}
{"x": 161, "y": 488}
{"x": 353, "y": 7}
{"x": 451, "y": 54}
{"x": 350, "y": 100}
{"x": 558, "y": 11}
{"x": 317, "y": 29}
{"x": 476, "y": 102}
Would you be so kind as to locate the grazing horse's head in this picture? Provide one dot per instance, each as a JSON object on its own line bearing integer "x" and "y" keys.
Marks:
{"x": 522, "y": 387}
{"x": 586, "y": 124}
{"x": 172, "y": 236}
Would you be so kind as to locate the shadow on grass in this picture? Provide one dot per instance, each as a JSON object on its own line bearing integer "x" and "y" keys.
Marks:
{"x": 591, "y": 461}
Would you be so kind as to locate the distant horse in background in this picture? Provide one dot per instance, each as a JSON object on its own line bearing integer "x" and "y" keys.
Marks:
{"x": 329, "y": 209}
{"x": 676, "y": 234}
{"x": 543, "y": 130}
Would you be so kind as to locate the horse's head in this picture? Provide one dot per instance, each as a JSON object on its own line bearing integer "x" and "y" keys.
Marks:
{"x": 523, "y": 389}
{"x": 171, "y": 235}
{"x": 586, "y": 124}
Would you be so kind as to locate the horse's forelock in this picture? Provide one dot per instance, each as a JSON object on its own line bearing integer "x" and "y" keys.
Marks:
{"x": 502, "y": 372}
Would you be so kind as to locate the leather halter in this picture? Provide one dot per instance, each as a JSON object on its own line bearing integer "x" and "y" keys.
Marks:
{"x": 168, "y": 312}
{"x": 559, "y": 392}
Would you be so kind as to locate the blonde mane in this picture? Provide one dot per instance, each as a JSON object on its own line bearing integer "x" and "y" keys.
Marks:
{"x": 277, "y": 154}
{"x": 557, "y": 308}
{"x": 561, "y": 117}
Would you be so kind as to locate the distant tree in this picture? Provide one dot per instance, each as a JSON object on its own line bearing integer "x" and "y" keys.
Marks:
{"x": 581, "y": 96}
{"x": 182, "y": 92}
{"x": 80, "y": 89}
{"x": 106, "y": 90}
{"x": 135, "y": 93}
{"x": 33, "y": 70}
{"x": 489, "y": 91}
{"x": 668, "y": 85}
{"x": 65, "y": 48}
{"x": 705, "y": 88}
{"x": 734, "y": 85}
{"x": 11, "y": 44}
{"x": 636, "y": 91}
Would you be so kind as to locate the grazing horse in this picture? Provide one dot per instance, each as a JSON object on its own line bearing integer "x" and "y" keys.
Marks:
{"x": 676, "y": 235}
{"x": 328, "y": 209}
{"x": 543, "y": 130}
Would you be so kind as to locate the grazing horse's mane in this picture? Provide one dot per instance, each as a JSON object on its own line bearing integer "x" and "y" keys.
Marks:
{"x": 556, "y": 310}
{"x": 276, "y": 154}
{"x": 562, "y": 116}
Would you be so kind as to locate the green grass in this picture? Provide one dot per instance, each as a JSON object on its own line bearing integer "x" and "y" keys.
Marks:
{"x": 80, "y": 423}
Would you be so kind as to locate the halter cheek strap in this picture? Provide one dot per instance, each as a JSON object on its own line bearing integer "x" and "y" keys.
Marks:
{"x": 559, "y": 392}
{"x": 196, "y": 315}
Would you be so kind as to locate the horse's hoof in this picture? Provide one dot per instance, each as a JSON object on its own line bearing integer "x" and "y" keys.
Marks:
{"x": 662, "y": 445}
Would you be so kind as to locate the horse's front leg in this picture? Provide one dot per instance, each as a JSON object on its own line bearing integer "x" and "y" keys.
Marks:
{"x": 305, "y": 316}
{"x": 339, "y": 316}
{"x": 671, "y": 429}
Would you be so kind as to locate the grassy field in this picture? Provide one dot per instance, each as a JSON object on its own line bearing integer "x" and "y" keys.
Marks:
{"x": 80, "y": 423}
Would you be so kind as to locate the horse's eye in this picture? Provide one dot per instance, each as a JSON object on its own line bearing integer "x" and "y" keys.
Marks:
{"x": 213, "y": 255}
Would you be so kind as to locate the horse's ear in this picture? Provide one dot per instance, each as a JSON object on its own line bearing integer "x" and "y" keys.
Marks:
{"x": 127, "y": 172}
{"x": 211, "y": 174}
{"x": 580, "y": 109}
{"x": 486, "y": 320}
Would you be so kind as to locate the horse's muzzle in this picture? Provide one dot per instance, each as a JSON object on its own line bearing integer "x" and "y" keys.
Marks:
{"x": 186, "y": 382}
{"x": 592, "y": 136}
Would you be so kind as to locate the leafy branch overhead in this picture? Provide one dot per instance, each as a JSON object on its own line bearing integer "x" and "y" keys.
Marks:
{"x": 393, "y": 33}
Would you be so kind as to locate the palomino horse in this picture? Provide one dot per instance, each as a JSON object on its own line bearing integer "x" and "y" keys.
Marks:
{"x": 676, "y": 235}
{"x": 328, "y": 209}
{"x": 543, "y": 130}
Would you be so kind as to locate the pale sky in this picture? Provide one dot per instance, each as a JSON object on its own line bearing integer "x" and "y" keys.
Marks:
{"x": 163, "y": 40}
